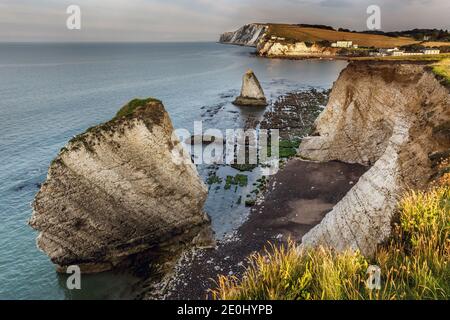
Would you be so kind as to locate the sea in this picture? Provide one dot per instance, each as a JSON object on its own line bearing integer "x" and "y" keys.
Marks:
{"x": 51, "y": 92}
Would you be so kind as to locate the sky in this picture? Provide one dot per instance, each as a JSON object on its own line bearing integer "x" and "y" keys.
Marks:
{"x": 200, "y": 20}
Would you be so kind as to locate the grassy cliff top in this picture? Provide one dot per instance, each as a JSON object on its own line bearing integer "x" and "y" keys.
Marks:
{"x": 299, "y": 33}
{"x": 442, "y": 69}
{"x": 131, "y": 106}
{"x": 152, "y": 109}
{"x": 440, "y": 63}
{"x": 302, "y": 33}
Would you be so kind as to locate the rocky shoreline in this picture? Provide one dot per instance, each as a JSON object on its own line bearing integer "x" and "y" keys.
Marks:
{"x": 386, "y": 128}
{"x": 287, "y": 205}
{"x": 296, "y": 200}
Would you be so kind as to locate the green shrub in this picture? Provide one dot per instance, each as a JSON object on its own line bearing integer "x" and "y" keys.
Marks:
{"x": 129, "y": 108}
{"x": 240, "y": 180}
{"x": 442, "y": 69}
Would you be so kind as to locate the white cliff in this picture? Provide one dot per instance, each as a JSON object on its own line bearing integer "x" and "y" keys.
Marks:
{"x": 268, "y": 45}
{"x": 248, "y": 35}
{"x": 275, "y": 48}
{"x": 388, "y": 116}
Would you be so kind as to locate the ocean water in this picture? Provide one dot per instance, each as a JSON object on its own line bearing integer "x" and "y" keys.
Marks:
{"x": 51, "y": 92}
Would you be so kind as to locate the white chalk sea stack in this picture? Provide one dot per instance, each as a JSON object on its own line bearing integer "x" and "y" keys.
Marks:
{"x": 252, "y": 93}
{"x": 114, "y": 196}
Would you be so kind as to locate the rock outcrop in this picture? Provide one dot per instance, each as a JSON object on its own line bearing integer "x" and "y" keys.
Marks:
{"x": 252, "y": 93}
{"x": 392, "y": 117}
{"x": 275, "y": 48}
{"x": 114, "y": 195}
{"x": 248, "y": 35}
{"x": 257, "y": 35}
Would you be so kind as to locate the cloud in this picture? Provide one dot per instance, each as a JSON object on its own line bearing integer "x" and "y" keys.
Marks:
{"x": 194, "y": 20}
{"x": 335, "y": 3}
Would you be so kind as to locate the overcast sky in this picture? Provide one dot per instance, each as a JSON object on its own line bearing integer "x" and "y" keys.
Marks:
{"x": 201, "y": 20}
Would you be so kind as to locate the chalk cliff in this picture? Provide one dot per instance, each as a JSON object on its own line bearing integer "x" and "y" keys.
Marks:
{"x": 114, "y": 195}
{"x": 275, "y": 48}
{"x": 258, "y": 36}
{"x": 394, "y": 117}
{"x": 248, "y": 35}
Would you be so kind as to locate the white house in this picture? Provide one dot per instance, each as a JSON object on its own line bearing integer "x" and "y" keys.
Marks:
{"x": 342, "y": 44}
{"x": 431, "y": 51}
{"x": 403, "y": 53}
{"x": 413, "y": 53}
{"x": 398, "y": 53}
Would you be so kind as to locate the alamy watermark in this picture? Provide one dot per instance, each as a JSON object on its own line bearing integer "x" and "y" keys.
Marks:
{"x": 73, "y": 282}
{"x": 374, "y": 20}
{"x": 229, "y": 146}
{"x": 73, "y": 22}
{"x": 374, "y": 280}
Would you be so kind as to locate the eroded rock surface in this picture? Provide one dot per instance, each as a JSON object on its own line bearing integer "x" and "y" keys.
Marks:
{"x": 274, "y": 48}
{"x": 392, "y": 117}
{"x": 248, "y": 35}
{"x": 114, "y": 194}
{"x": 252, "y": 93}
{"x": 258, "y": 35}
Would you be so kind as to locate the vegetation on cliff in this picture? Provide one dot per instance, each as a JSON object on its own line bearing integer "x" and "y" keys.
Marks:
{"x": 414, "y": 262}
{"x": 295, "y": 33}
{"x": 442, "y": 69}
{"x": 131, "y": 106}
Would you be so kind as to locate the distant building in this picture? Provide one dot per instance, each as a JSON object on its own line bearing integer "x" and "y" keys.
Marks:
{"x": 403, "y": 53}
{"x": 383, "y": 52}
{"x": 398, "y": 53}
{"x": 431, "y": 51}
{"x": 386, "y": 51}
{"x": 342, "y": 44}
{"x": 277, "y": 38}
{"x": 413, "y": 53}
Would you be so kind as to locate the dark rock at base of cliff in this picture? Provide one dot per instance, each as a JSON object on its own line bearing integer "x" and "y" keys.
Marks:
{"x": 250, "y": 102}
{"x": 252, "y": 93}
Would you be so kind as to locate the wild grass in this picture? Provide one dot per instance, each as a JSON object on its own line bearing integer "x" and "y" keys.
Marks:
{"x": 414, "y": 262}
{"x": 442, "y": 69}
{"x": 129, "y": 108}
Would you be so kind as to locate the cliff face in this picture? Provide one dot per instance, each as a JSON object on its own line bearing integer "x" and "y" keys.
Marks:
{"x": 394, "y": 117}
{"x": 257, "y": 35}
{"x": 248, "y": 35}
{"x": 114, "y": 193}
{"x": 277, "y": 48}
